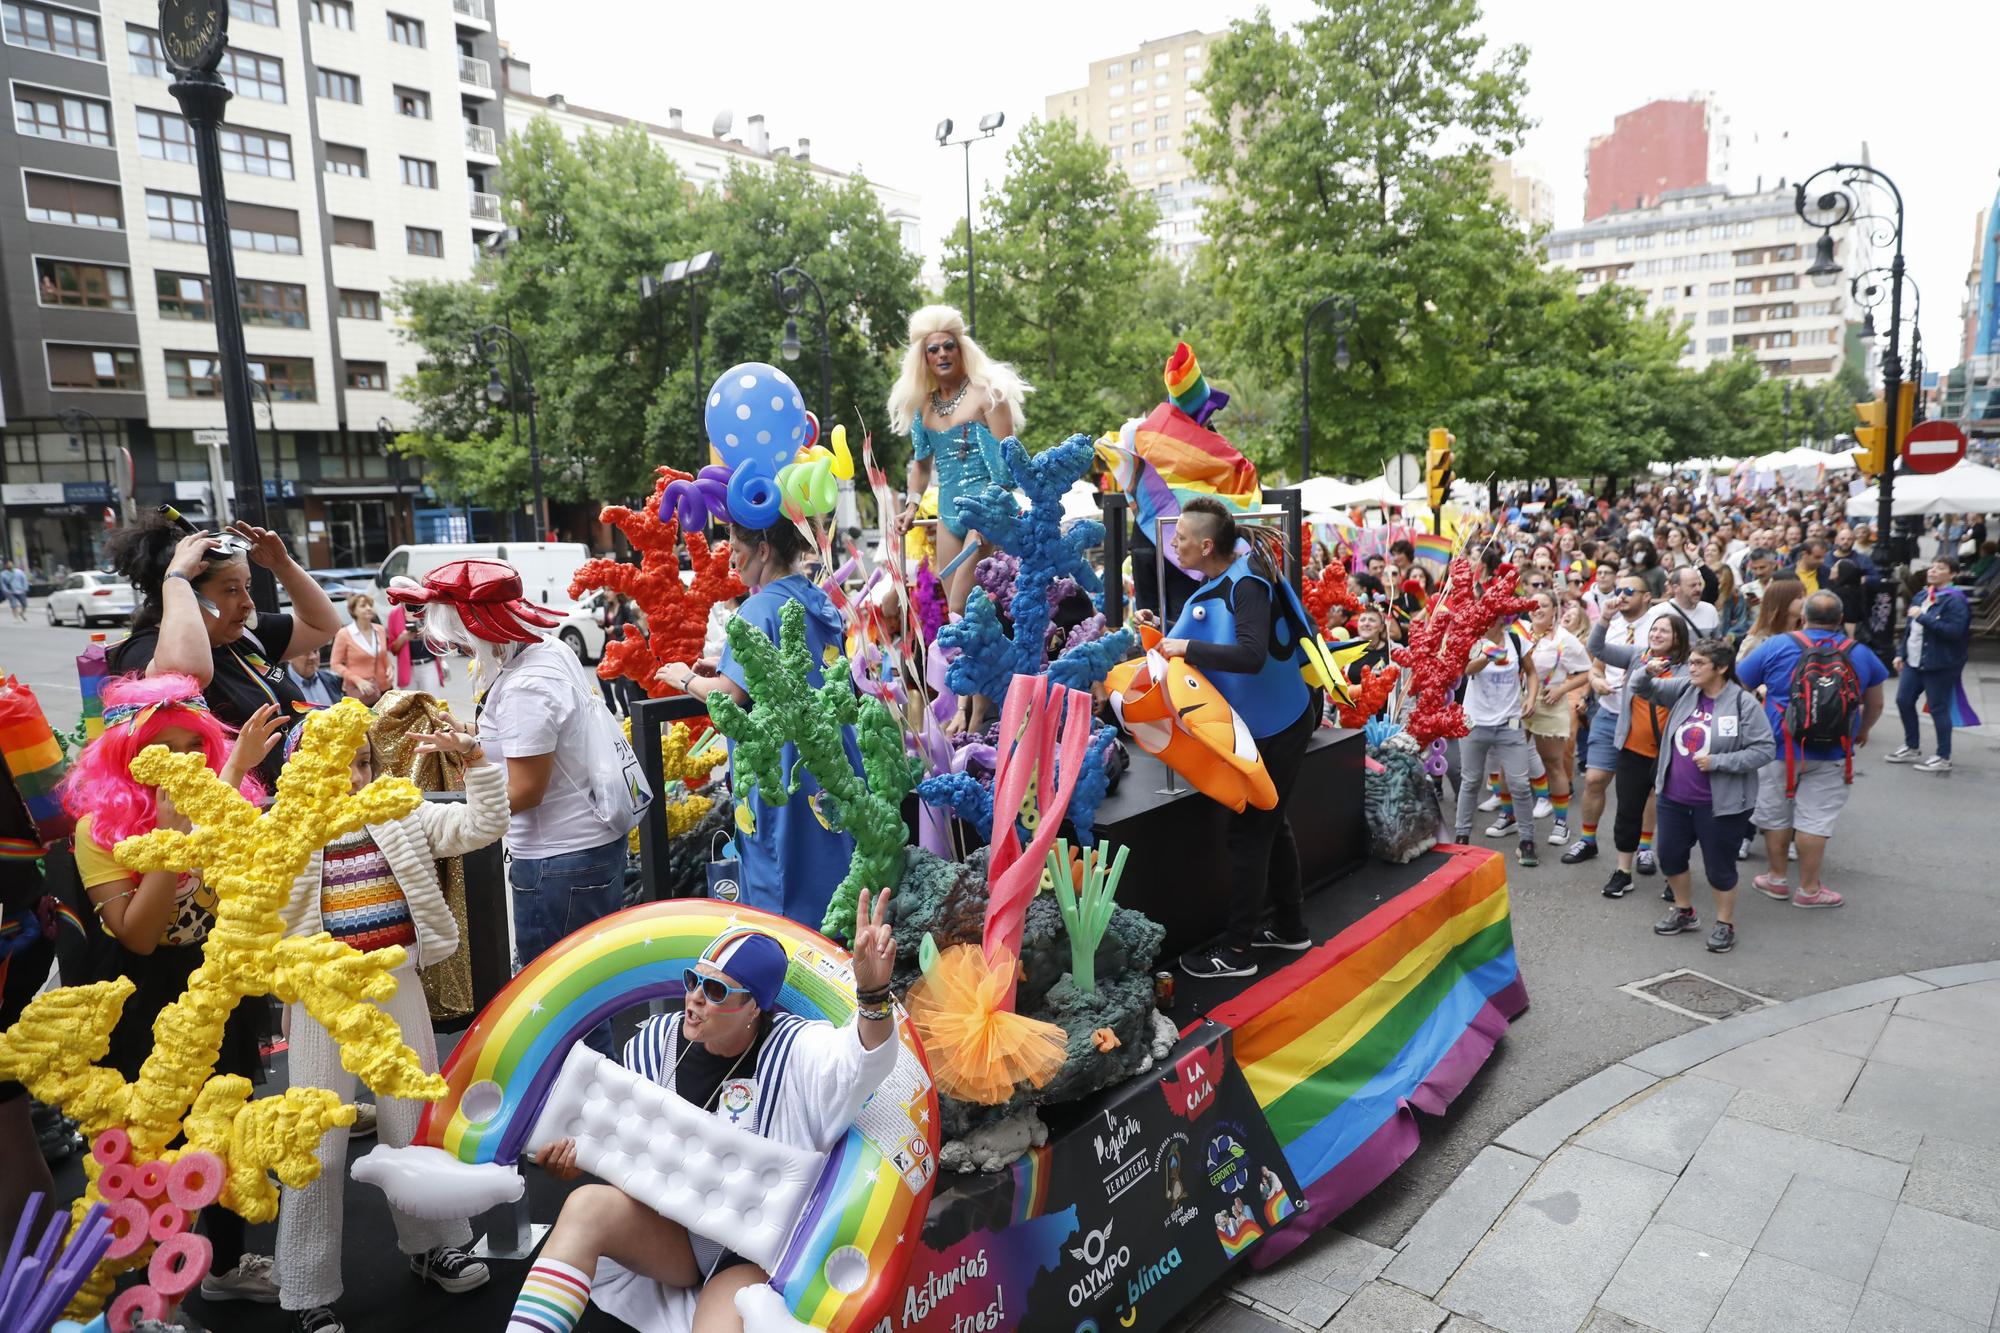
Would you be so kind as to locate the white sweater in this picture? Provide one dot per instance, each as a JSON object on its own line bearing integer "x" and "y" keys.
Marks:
{"x": 413, "y": 845}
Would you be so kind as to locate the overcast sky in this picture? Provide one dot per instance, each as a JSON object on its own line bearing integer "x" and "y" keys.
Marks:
{"x": 1802, "y": 84}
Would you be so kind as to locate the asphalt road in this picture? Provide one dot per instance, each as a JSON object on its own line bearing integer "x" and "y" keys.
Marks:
{"x": 1914, "y": 855}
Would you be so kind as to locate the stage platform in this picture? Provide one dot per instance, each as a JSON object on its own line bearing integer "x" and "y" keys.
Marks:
{"x": 1289, "y": 1096}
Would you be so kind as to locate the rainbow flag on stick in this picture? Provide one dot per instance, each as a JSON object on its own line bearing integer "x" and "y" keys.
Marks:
{"x": 1433, "y": 549}
{"x": 91, "y": 671}
{"x": 34, "y": 757}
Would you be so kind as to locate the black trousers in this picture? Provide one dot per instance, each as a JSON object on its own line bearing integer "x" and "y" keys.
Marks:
{"x": 1633, "y": 781}
{"x": 1263, "y": 858}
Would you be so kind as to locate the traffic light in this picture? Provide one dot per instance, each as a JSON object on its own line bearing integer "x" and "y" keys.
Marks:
{"x": 1906, "y": 411}
{"x": 1873, "y": 437}
{"x": 1437, "y": 469}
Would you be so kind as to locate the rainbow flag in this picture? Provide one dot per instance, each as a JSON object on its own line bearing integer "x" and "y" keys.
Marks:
{"x": 1166, "y": 459}
{"x": 1962, "y": 712}
{"x": 34, "y": 758}
{"x": 91, "y": 671}
{"x": 1433, "y": 548}
{"x": 1394, "y": 1014}
{"x": 1235, "y": 1242}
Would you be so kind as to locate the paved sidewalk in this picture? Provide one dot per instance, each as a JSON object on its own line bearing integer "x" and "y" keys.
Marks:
{"x": 1831, "y": 1165}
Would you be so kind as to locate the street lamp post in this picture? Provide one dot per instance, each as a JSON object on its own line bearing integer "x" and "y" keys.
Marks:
{"x": 1342, "y": 319}
{"x": 493, "y": 340}
{"x": 1830, "y": 207}
{"x": 704, "y": 268}
{"x": 792, "y": 301}
{"x": 989, "y": 125}
{"x": 384, "y": 435}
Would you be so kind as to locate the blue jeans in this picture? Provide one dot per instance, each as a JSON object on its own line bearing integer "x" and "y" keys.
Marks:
{"x": 1940, "y": 688}
{"x": 559, "y": 895}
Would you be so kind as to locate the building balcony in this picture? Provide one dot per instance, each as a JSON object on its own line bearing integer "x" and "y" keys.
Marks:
{"x": 472, "y": 14}
{"x": 475, "y": 77}
{"x": 485, "y": 210}
{"x": 482, "y": 143}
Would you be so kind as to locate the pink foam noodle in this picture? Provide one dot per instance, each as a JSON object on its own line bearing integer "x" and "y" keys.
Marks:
{"x": 179, "y": 1263}
{"x": 152, "y": 1181}
{"x": 165, "y": 1222}
{"x": 140, "y": 1302}
{"x": 112, "y": 1145}
{"x": 117, "y": 1181}
{"x": 128, "y": 1228}
{"x": 195, "y": 1181}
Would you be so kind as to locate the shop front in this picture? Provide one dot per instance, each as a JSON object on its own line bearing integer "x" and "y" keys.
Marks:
{"x": 54, "y": 527}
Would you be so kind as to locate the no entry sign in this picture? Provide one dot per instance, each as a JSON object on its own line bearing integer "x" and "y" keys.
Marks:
{"x": 1933, "y": 446}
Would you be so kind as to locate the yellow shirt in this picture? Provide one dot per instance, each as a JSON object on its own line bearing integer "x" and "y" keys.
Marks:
{"x": 194, "y": 902}
{"x": 1809, "y": 577}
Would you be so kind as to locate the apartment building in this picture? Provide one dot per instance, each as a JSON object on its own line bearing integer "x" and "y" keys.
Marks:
{"x": 1140, "y": 104}
{"x": 357, "y": 153}
{"x": 1661, "y": 147}
{"x": 1532, "y": 199}
{"x": 703, "y": 159}
{"x": 1731, "y": 268}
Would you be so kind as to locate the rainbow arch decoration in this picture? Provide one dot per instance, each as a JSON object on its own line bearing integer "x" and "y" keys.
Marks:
{"x": 877, "y": 1183}
{"x": 1396, "y": 1012}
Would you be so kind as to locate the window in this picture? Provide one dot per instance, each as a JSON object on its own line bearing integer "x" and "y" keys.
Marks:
{"x": 76, "y": 203}
{"x": 1118, "y": 152}
{"x": 275, "y": 231}
{"x": 357, "y": 232}
{"x": 1745, "y": 286}
{"x": 278, "y": 304}
{"x": 173, "y": 217}
{"x": 1117, "y": 132}
{"x": 1160, "y": 60}
{"x": 290, "y": 379}
{"x": 1622, "y": 244}
{"x": 193, "y": 375}
{"x": 1718, "y": 316}
{"x": 57, "y": 31}
{"x": 182, "y": 296}
{"x": 53, "y": 115}
{"x": 422, "y": 174}
{"x": 73, "y": 366}
{"x": 356, "y": 304}
{"x": 1785, "y": 282}
{"x": 1717, "y": 346}
{"x": 1115, "y": 90}
{"x": 256, "y": 152}
{"x": 1161, "y": 122}
{"x": 253, "y": 76}
{"x": 413, "y": 102}
{"x": 367, "y": 375}
{"x": 1117, "y": 68}
{"x": 1780, "y": 311}
{"x": 1160, "y": 145}
{"x": 346, "y": 160}
{"x": 334, "y": 13}
{"x": 255, "y": 11}
{"x": 1117, "y": 112}
{"x": 337, "y": 87}
{"x": 1162, "y": 102}
{"x": 1191, "y": 53}
{"x": 1745, "y": 314}
{"x": 1159, "y": 80}
{"x": 1586, "y": 247}
{"x": 165, "y": 136}
{"x": 1141, "y": 167}
{"x": 142, "y": 46}
{"x": 425, "y": 241}
{"x": 1777, "y": 340}
{"x": 407, "y": 31}
{"x": 1788, "y": 222}
{"x": 1193, "y": 116}
{"x": 1718, "y": 289}
{"x": 88, "y": 286}
{"x": 1190, "y": 95}
{"x": 1743, "y": 229}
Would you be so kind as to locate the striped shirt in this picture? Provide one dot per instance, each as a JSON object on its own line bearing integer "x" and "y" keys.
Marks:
{"x": 360, "y": 903}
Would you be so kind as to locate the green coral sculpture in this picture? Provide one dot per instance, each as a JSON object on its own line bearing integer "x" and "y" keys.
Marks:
{"x": 1086, "y": 907}
{"x": 868, "y": 805}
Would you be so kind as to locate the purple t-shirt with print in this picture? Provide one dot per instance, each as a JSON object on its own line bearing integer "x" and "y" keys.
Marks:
{"x": 1686, "y": 783}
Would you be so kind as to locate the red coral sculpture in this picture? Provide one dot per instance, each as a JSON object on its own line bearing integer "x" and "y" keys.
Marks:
{"x": 676, "y": 612}
{"x": 1328, "y": 591}
{"x": 1440, "y": 641}
{"x": 1374, "y": 690}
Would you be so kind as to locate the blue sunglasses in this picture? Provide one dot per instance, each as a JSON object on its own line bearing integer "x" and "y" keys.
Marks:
{"x": 716, "y": 989}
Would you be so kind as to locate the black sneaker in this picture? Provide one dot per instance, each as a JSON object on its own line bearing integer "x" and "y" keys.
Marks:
{"x": 1219, "y": 960}
{"x": 1666, "y": 893}
{"x": 1527, "y": 856}
{"x": 318, "y": 1319}
{"x": 1580, "y": 850}
{"x": 1647, "y": 864}
{"x": 1677, "y": 920}
{"x": 450, "y": 1268}
{"x": 1722, "y": 939}
{"x": 1271, "y": 939}
{"x": 1618, "y": 885}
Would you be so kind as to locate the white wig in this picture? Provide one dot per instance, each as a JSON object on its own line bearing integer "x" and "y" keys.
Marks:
{"x": 1000, "y": 382}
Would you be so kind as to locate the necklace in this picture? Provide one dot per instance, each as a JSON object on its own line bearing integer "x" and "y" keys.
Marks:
{"x": 943, "y": 410}
{"x": 687, "y": 1046}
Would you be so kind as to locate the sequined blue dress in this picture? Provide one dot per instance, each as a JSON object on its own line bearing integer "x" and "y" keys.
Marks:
{"x": 968, "y": 458}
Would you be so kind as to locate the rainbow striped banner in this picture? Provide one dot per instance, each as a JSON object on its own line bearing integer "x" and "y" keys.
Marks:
{"x": 1395, "y": 1013}
{"x": 1433, "y": 549}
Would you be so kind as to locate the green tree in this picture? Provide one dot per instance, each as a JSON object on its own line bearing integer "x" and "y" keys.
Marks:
{"x": 1070, "y": 288}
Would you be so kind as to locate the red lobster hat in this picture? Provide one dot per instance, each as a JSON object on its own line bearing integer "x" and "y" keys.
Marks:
{"x": 487, "y": 596}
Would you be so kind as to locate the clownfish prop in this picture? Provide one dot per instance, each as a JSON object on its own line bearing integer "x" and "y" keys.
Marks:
{"x": 1180, "y": 718}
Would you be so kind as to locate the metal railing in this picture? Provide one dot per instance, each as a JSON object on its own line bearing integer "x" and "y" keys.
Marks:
{"x": 473, "y": 70}
{"x": 472, "y": 9}
{"x": 485, "y": 207}
{"x": 480, "y": 139}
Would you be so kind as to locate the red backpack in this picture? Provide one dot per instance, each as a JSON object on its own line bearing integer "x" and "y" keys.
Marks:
{"x": 1825, "y": 697}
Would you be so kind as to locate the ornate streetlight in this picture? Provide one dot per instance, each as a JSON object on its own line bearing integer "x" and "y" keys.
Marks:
{"x": 493, "y": 342}
{"x": 792, "y": 301}
{"x": 989, "y": 125}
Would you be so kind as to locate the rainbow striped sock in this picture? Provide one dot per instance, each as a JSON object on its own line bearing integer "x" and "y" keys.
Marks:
{"x": 1589, "y": 834}
{"x": 551, "y": 1300}
{"x": 1645, "y": 840}
{"x": 1540, "y": 786}
{"x": 1561, "y": 803}
{"x": 1493, "y": 785}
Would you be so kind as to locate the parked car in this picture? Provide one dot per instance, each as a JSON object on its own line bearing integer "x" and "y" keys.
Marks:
{"x": 581, "y": 631}
{"x": 91, "y": 598}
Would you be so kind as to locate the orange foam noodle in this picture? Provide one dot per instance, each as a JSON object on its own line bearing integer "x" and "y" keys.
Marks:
{"x": 978, "y": 1050}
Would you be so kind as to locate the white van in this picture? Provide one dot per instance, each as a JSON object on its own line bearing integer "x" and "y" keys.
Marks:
{"x": 545, "y": 567}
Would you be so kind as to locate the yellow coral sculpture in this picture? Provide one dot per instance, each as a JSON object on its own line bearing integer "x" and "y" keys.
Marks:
{"x": 686, "y": 812}
{"x": 251, "y": 861}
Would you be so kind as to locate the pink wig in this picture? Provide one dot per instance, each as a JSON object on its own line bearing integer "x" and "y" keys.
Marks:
{"x": 100, "y": 782}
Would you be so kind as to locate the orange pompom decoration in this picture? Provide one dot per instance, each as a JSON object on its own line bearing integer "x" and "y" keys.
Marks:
{"x": 979, "y": 1048}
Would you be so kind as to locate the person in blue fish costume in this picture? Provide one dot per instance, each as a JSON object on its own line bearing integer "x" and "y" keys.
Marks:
{"x": 791, "y": 855}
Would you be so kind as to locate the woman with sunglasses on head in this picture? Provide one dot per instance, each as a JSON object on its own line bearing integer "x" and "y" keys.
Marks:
{"x": 1717, "y": 737}
{"x": 1562, "y": 671}
{"x": 731, "y": 1052}
{"x": 194, "y": 615}
{"x": 958, "y": 406}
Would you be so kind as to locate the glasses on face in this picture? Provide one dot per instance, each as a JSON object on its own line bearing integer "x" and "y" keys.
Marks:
{"x": 1620, "y": 594}
{"x": 939, "y": 349}
{"x": 715, "y": 989}
{"x": 1538, "y": 585}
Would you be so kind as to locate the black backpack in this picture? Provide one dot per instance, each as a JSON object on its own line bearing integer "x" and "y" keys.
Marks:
{"x": 1825, "y": 697}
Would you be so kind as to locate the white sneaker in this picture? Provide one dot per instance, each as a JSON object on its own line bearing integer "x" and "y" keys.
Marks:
{"x": 1502, "y": 826}
{"x": 1559, "y": 835}
{"x": 1935, "y": 764}
{"x": 1792, "y": 850}
{"x": 1491, "y": 803}
{"x": 1544, "y": 808}
{"x": 1904, "y": 754}
{"x": 250, "y": 1280}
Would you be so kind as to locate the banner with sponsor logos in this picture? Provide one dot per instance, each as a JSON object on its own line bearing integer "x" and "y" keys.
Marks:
{"x": 1117, "y": 1223}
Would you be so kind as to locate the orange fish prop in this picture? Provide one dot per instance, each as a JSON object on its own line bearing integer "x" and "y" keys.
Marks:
{"x": 1178, "y": 716}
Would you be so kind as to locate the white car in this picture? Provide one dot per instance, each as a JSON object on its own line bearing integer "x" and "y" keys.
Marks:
{"x": 91, "y": 598}
{"x": 581, "y": 631}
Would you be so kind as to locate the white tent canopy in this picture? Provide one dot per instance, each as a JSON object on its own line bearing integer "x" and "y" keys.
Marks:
{"x": 1968, "y": 488}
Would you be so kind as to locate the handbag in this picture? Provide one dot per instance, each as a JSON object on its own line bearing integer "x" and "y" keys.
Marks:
{"x": 725, "y": 873}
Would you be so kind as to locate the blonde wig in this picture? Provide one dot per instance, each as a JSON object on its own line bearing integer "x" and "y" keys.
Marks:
{"x": 1000, "y": 382}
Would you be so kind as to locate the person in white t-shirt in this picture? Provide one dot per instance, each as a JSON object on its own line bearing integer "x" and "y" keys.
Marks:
{"x": 1684, "y": 600}
{"x": 1562, "y": 670}
{"x": 1499, "y": 690}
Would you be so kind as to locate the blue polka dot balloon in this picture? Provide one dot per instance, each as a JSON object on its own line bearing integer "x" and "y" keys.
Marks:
{"x": 754, "y": 411}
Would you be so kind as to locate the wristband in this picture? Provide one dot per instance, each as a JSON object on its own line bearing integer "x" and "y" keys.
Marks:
{"x": 875, "y": 996}
{"x": 176, "y": 574}
{"x": 874, "y": 1015}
